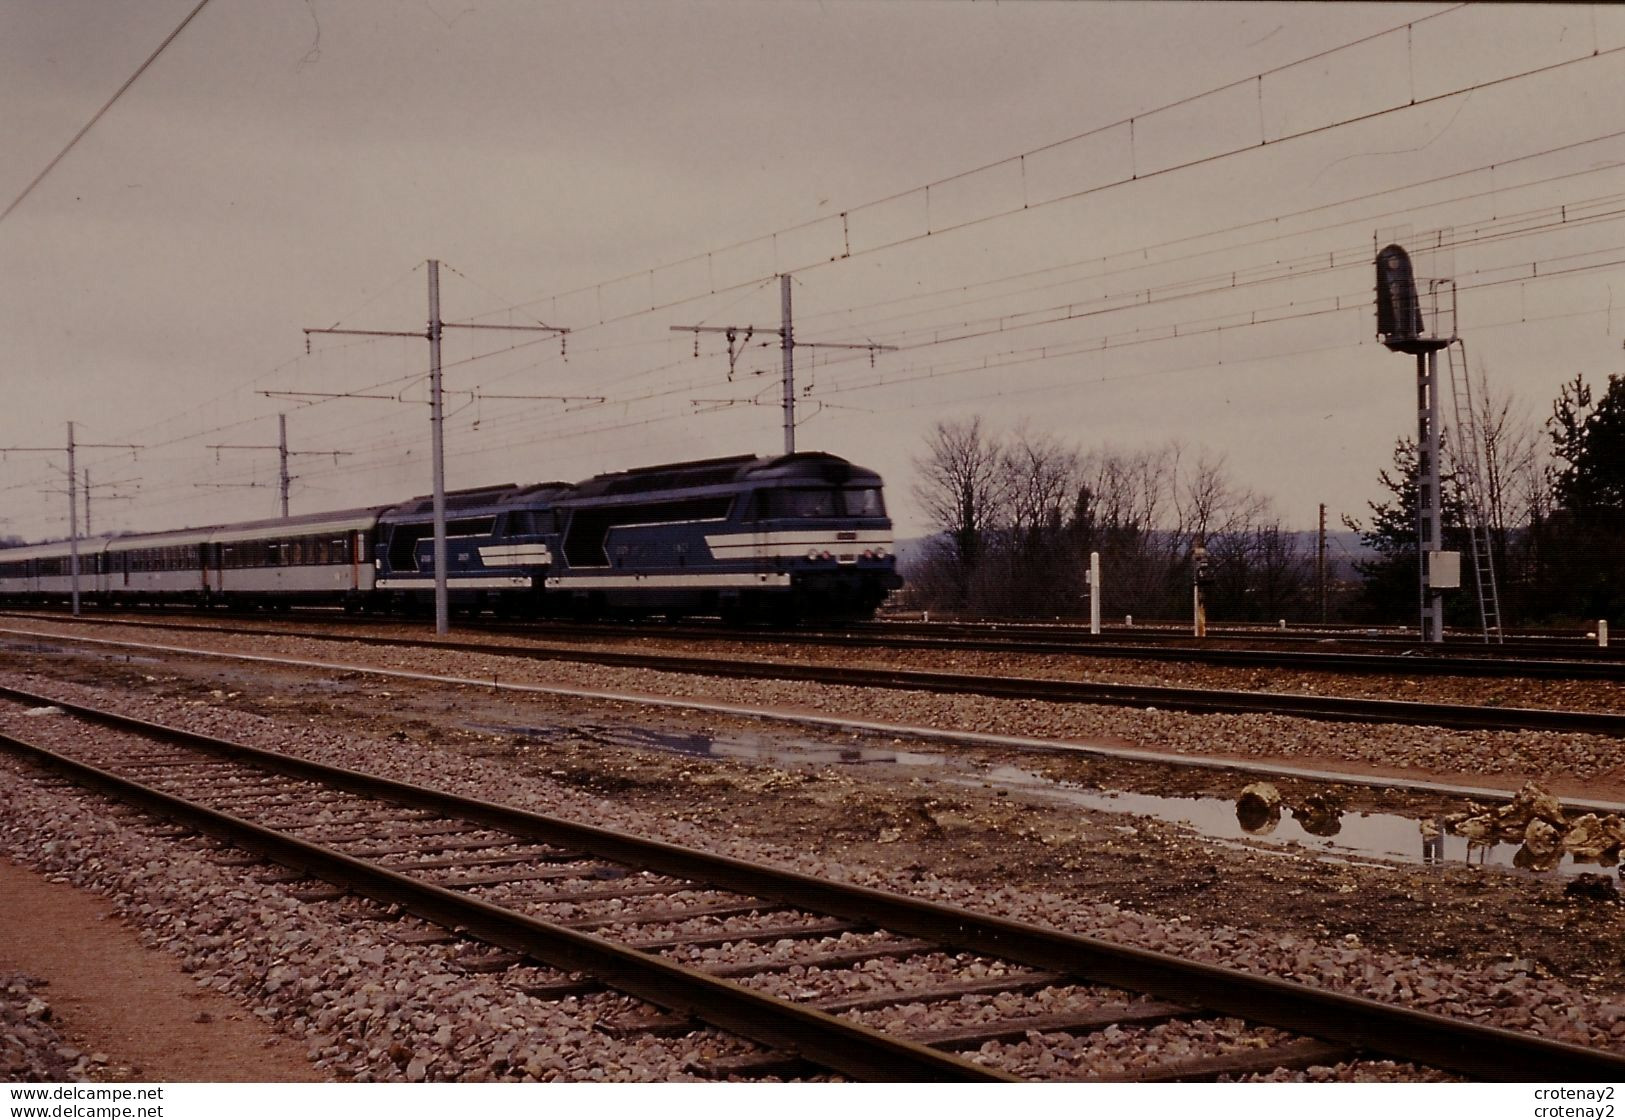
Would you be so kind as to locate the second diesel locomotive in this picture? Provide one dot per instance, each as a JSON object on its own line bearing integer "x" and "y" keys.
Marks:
{"x": 802, "y": 536}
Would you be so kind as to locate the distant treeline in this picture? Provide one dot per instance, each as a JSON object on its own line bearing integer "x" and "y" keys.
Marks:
{"x": 1018, "y": 513}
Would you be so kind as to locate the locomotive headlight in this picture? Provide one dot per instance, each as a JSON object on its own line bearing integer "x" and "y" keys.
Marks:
{"x": 812, "y": 554}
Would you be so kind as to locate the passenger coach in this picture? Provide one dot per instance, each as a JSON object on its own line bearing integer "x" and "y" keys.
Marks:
{"x": 745, "y": 538}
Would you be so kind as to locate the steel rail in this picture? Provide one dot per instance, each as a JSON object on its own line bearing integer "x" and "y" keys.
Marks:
{"x": 1414, "y": 662}
{"x": 826, "y": 1040}
{"x": 1307, "y": 705}
{"x": 1580, "y": 663}
{"x": 1490, "y": 1053}
{"x": 1577, "y": 643}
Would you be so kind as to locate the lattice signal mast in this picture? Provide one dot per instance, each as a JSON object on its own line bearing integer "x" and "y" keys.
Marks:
{"x": 1402, "y": 328}
{"x": 1417, "y": 315}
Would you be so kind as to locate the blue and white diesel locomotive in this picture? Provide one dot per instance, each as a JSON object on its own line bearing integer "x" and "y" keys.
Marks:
{"x": 802, "y": 536}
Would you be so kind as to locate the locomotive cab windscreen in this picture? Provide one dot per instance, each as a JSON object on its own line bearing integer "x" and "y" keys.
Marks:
{"x": 812, "y": 502}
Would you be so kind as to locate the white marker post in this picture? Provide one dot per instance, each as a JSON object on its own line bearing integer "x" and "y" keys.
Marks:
{"x": 1094, "y": 593}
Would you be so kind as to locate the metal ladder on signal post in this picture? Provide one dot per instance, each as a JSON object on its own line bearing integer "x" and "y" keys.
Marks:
{"x": 1469, "y": 457}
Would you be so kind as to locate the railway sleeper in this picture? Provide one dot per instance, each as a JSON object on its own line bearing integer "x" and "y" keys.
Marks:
{"x": 497, "y": 878}
{"x": 1297, "y": 1054}
{"x": 490, "y": 962}
{"x": 828, "y": 928}
{"x": 893, "y": 950}
{"x": 469, "y": 845}
{"x": 843, "y": 958}
{"x": 867, "y": 1001}
{"x": 573, "y": 988}
{"x": 772, "y": 1064}
{"x": 469, "y": 859}
{"x": 681, "y": 914}
{"x": 433, "y": 826}
{"x": 600, "y": 894}
{"x": 320, "y": 894}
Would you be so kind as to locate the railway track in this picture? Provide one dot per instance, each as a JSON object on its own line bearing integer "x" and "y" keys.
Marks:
{"x": 1545, "y": 662}
{"x": 1570, "y": 647}
{"x": 1305, "y": 705}
{"x": 619, "y": 911}
{"x": 1532, "y": 661}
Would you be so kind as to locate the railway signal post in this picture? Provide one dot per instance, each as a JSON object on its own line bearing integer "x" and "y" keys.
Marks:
{"x": 1094, "y": 593}
{"x": 1400, "y": 325}
{"x": 1201, "y": 580}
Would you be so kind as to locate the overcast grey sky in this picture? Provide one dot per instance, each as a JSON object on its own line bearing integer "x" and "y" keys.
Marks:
{"x": 620, "y": 168}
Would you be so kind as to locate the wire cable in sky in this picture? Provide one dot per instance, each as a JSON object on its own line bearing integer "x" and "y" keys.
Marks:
{"x": 91, "y": 123}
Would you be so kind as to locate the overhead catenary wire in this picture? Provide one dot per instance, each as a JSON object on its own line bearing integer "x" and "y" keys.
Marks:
{"x": 100, "y": 113}
{"x": 1148, "y": 250}
{"x": 1356, "y": 302}
{"x": 663, "y": 370}
{"x": 1137, "y": 176}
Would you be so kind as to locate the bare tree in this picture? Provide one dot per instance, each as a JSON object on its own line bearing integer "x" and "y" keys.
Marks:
{"x": 1208, "y": 502}
{"x": 961, "y": 487}
{"x": 1020, "y": 515}
{"x": 1119, "y": 505}
{"x": 1031, "y": 567}
{"x": 1040, "y": 479}
{"x": 1514, "y": 457}
{"x": 1513, "y": 490}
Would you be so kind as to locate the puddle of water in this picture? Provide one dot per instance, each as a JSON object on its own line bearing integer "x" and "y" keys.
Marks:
{"x": 1349, "y": 835}
{"x": 66, "y": 651}
{"x": 750, "y": 748}
{"x": 1344, "y": 836}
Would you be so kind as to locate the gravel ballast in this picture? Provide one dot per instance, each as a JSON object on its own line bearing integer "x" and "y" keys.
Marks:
{"x": 369, "y": 1007}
